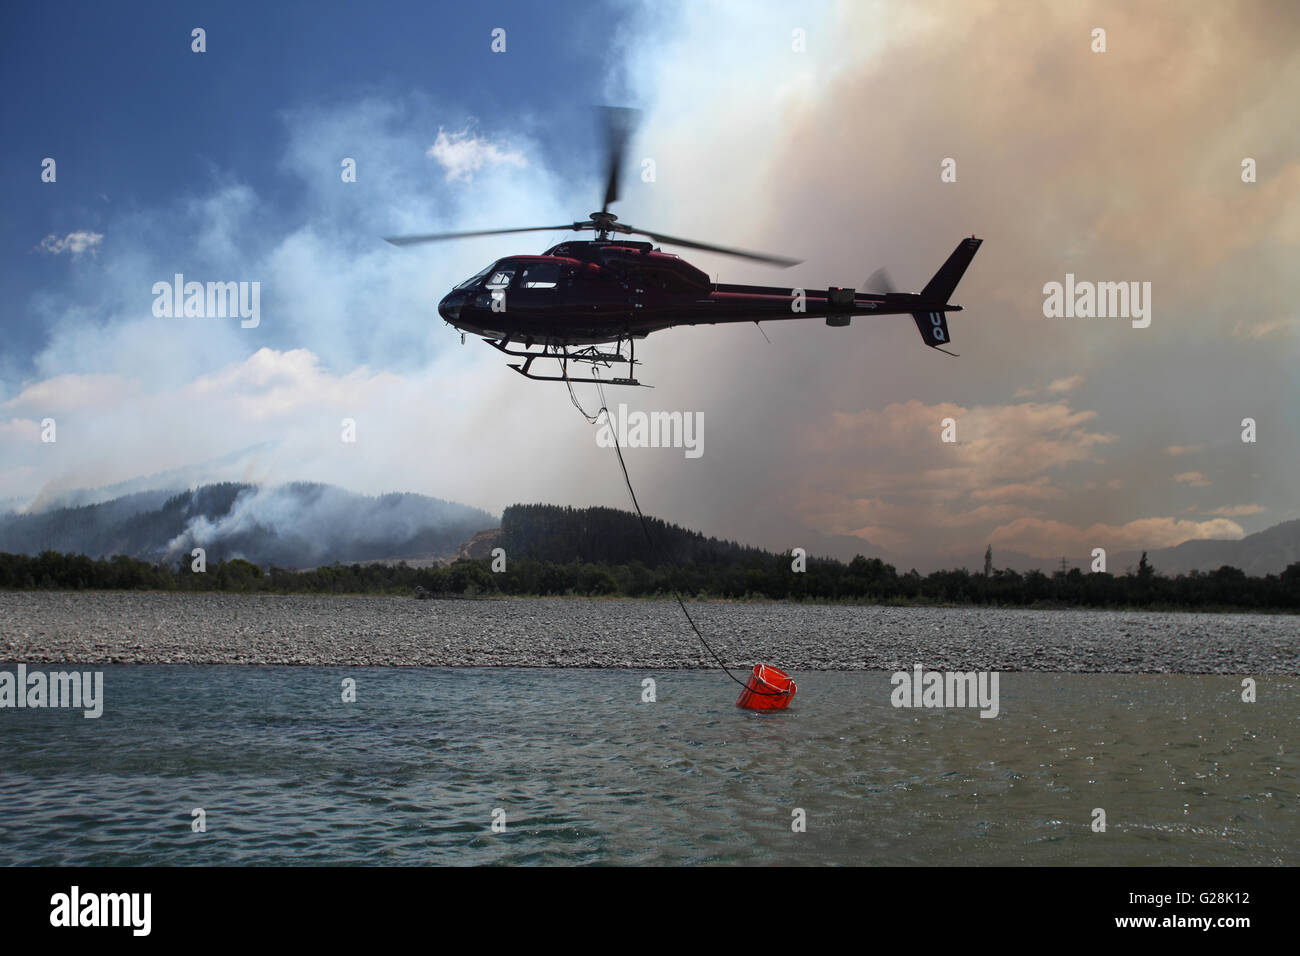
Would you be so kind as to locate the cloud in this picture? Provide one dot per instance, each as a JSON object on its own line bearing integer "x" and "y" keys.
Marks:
{"x": 1238, "y": 511}
{"x": 895, "y": 481}
{"x": 69, "y": 393}
{"x": 1252, "y": 330}
{"x": 993, "y": 441}
{"x": 1062, "y": 385}
{"x": 463, "y": 154}
{"x": 1178, "y": 450}
{"x": 74, "y": 243}
{"x": 279, "y": 416}
{"x": 1194, "y": 478}
{"x": 733, "y": 152}
{"x": 1059, "y": 386}
{"x": 1044, "y": 537}
{"x": 1041, "y": 489}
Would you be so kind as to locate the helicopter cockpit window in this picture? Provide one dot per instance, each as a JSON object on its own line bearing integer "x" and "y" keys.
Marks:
{"x": 540, "y": 275}
{"x": 501, "y": 278}
{"x": 475, "y": 279}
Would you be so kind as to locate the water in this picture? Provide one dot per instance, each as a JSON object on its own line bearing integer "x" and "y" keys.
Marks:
{"x": 587, "y": 773}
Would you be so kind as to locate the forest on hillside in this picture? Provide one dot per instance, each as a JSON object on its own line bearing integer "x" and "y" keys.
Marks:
{"x": 761, "y": 576}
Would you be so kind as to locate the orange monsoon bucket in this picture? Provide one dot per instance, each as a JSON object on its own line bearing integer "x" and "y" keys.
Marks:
{"x": 768, "y": 689}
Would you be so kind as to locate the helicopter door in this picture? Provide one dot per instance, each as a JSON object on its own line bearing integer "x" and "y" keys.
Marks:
{"x": 537, "y": 289}
{"x": 617, "y": 294}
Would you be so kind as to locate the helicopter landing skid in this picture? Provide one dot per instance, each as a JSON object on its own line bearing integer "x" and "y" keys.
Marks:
{"x": 564, "y": 355}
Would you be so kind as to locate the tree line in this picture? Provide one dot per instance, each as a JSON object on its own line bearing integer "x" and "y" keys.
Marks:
{"x": 749, "y": 575}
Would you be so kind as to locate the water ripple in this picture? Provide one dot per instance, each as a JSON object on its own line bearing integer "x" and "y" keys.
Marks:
{"x": 585, "y": 773}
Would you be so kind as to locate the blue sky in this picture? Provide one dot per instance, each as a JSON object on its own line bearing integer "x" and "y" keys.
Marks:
{"x": 814, "y": 130}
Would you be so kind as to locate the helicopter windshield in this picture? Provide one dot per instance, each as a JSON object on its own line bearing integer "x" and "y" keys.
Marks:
{"x": 475, "y": 279}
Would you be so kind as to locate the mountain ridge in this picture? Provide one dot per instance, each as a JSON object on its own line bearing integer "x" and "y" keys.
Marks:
{"x": 296, "y": 525}
{"x": 307, "y": 524}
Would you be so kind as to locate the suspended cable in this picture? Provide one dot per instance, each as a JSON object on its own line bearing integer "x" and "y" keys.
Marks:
{"x": 645, "y": 527}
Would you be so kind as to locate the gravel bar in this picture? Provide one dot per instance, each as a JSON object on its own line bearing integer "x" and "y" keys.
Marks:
{"x": 167, "y": 628}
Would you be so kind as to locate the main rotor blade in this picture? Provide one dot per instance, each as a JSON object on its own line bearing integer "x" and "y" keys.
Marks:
{"x": 879, "y": 281}
{"x": 690, "y": 244}
{"x": 439, "y": 236}
{"x": 619, "y": 123}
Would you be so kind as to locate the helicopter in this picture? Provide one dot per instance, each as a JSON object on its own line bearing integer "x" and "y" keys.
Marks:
{"x": 580, "y": 297}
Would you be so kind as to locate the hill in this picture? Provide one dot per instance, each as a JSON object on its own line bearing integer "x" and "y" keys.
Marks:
{"x": 608, "y": 536}
{"x": 291, "y": 526}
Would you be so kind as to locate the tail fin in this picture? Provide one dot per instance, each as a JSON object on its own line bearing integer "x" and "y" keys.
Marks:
{"x": 933, "y": 326}
{"x": 939, "y": 289}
